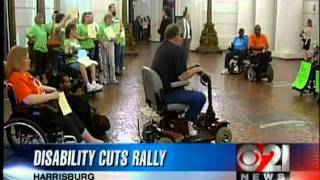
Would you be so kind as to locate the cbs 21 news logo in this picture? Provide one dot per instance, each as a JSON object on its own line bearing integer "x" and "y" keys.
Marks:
{"x": 263, "y": 161}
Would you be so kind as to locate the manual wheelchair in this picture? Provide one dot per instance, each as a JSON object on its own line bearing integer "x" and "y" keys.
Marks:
{"x": 27, "y": 125}
{"x": 153, "y": 132}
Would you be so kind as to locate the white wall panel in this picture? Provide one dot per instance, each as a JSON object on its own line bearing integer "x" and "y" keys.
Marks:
{"x": 25, "y": 3}
{"x": 21, "y": 35}
{"x": 49, "y": 9}
{"x": 25, "y": 11}
{"x": 25, "y": 17}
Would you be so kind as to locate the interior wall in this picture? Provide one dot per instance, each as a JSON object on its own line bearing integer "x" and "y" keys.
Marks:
{"x": 25, "y": 11}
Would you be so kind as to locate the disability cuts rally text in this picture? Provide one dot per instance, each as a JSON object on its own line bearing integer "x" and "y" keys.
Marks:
{"x": 102, "y": 158}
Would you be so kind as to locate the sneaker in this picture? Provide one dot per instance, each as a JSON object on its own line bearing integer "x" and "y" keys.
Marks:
{"x": 192, "y": 131}
{"x": 97, "y": 87}
{"x": 225, "y": 71}
{"x": 114, "y": 81}
{"x": 105, "y": 82}
{"x": 236, "y": 69}
{"x": 90, "y": 88}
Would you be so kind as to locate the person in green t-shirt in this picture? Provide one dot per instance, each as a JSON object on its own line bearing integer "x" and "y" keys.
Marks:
{"x": 107, "y": 37}
{"x": 71, "y": 47}
{"x": 86, "y": 43}
{"x": 120, "y": 40}
{"x": 38, "y": 35}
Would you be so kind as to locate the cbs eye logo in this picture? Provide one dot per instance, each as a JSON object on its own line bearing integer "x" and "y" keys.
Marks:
{"x": 263, "y": 158}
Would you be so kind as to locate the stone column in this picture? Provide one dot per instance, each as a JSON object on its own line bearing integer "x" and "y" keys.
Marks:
{"x": 246, "y": 15}
{"x": 209, "y": 39}
{"x": 130, "y": 44}
{"x": 265, "y": 16}
{"x": 288, "y": 27}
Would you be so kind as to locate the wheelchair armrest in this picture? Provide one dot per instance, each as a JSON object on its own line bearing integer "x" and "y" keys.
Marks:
{"x": 179, "y": 84}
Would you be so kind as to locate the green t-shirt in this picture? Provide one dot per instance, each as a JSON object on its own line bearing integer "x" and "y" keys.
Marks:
{"x": 106, "y": 32}
{"x": 39, "y": 34}
{"x": 74, "y": 45}
{"x": 83, "y": 31}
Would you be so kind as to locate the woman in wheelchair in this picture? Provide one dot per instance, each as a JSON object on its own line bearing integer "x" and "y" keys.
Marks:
{"x": 29, "y": 91}
{"x": 71, "y": 47}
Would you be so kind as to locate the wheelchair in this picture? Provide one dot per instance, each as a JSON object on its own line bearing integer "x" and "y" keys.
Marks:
{"x": 173, "y": 114}
{"x": 27, "y": 125}
{"x": 237, "y": 65}
{"x": 250, "y": 69}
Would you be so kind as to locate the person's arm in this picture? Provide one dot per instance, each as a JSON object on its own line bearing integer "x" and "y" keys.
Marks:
{"x": 49, "y": 89}
{"x": 31, "y": 33}
{"x": 63, "y": 22}
{"x": 267, "y": 43}
{"x": 40, "y": 98}
{"x": 189, "y": 73}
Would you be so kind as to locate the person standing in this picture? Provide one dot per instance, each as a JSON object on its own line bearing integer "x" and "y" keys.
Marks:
{"x": 166, "y": 20}
{"x": 186, "y": 33}
{"x": 145, "y": 29}
{"x": 149, "y": 26}
{"x": 120, "y": 39}
{"x": 38, "y": 34}
{"x": 306, "y": 37}
{"x": 86, "y": 43}
{"x": 107, "y": 37}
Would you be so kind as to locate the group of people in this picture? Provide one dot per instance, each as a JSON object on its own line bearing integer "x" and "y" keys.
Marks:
{"x": 142, "y": 28}
{"x": 256, "y": 46}
{"x": 82, "y": 49}
{"x": 79, "y": 45}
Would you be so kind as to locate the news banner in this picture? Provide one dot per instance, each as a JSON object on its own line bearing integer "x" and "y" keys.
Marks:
{"x": 164, "y": 161}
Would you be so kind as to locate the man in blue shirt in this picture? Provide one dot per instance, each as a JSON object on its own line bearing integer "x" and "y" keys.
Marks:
{"x": 238, "y": 47}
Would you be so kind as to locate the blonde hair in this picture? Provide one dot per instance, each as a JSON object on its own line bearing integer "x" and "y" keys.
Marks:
{"x": 14, "y": 59}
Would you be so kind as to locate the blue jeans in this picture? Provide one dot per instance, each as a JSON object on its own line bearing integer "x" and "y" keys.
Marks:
{"x": 194, "y": 99}
{"x": 118, "y": 57}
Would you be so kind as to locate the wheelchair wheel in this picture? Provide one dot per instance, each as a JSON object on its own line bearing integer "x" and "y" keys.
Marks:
{"x": 250, "y": 74}
{"x": 223, "y": 135}
{"x": 269, "y": 73}
{"x": 24, "y": 131}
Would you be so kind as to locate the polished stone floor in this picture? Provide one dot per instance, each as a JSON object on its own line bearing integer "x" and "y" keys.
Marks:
{"x": 258, "y": 112}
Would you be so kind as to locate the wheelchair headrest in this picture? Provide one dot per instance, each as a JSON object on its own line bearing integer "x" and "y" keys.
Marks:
{"x": 152, "y": 85}
{"x": 12, "y": 98}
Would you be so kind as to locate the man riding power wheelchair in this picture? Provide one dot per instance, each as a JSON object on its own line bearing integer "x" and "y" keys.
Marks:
{"x": 259, "y": 57}
{"x": 35, "y": 105}
{"x": 164, "y": 88}
{"x": 236, "y": 55}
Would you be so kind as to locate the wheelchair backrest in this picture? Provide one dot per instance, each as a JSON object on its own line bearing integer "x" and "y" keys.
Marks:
{"x": 152, "y": 85}
{"x": 12, "y": 98}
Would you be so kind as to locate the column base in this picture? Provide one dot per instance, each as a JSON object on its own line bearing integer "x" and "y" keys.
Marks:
{"x": 288, "y": 55}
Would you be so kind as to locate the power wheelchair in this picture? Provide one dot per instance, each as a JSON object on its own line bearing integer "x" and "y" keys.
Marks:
{"x": 239, "y": 60}
{"x": 153, "y": 132}
{"x": 250, "y": 68}
{"x": 28, "y": 125}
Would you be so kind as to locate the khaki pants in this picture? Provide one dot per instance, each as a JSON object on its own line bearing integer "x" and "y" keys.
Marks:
{"x": 107, "y": 61}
